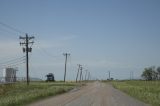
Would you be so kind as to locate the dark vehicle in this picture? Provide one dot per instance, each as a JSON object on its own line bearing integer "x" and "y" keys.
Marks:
{"x": 50, "y": 77}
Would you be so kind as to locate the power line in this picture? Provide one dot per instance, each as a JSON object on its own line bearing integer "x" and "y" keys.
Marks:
{"x": 46, "y": 55}
{"x": 43, "y": 50}
{"x": 7, "y": 33}
{"x": 11, "y": 28}
{"x": 13, "y": 60}
{"x": 12, "y": 65}
{"x": 16, "y": 62}
{"x": 4, "y": 65}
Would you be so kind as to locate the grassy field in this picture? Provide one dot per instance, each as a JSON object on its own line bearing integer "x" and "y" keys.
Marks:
{"x": 20, "y": 94}
{"x": 147, "y": 91}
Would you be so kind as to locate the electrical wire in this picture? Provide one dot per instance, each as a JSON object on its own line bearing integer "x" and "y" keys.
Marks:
{"x": 44, "y": 51}
{"x": 11, "y": 28}
{"x": 13, "y": 60}
{"x": 17, "y": 30}
{"x": 7, "y": 33}
{"x": 4, "y": 65}
{"x": 13, "y": 63}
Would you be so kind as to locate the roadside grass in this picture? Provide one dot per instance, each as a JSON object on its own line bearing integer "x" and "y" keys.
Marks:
{"x": 146, "y": 91}
{"x": 20, "y": 94}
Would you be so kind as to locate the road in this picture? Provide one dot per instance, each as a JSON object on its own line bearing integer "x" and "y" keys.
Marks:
{"x": 94, "y": 94}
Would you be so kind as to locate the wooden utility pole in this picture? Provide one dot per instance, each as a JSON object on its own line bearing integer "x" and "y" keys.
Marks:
{"x": 109, "y": 75}
{"x": 131, "y": 75}
{"x": 66, "y": 55}
{"x": 26, "y": 50}
{"x": 81, "y": 68}
{"x": 86, "y": 75}
{"x": 78, "y": 71}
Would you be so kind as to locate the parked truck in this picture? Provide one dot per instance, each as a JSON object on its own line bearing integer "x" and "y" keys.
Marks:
{"x": 50, "y": 77}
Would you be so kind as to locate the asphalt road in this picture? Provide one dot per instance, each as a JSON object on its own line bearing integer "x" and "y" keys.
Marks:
{"x": 94, "y": 94}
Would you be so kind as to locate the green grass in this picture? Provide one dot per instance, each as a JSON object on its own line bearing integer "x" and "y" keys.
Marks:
{"x": 20, "y": 94}
{"x": 146, "y": 91}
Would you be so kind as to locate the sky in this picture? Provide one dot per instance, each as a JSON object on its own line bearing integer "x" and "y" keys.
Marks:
{"x": 120, "y": 36}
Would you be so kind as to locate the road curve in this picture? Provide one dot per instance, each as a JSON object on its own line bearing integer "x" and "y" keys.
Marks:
{"x": 94, "y": 94}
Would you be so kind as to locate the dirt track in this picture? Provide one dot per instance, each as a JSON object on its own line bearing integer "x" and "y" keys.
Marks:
{"x": 94, "y": 94}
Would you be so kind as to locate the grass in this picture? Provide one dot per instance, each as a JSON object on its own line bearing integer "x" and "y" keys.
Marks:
{"x": 146, "y": 91}
{"x": 20, "y": 94}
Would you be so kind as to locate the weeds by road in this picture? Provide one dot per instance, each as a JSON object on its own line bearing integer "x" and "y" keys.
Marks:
{"x": 147, "y": 91}
{"x": 20, "y": 94}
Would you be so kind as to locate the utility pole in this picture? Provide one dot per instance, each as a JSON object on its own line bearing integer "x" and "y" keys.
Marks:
{"x": 26, "y": 42}
{"x": 81, "y": 68}
{"x": 66, "y": 55}
{"x": 131, "y": 75}
{"x": 109, "y": 75}
{"x": 78, "y": 71}
{"x": 86, "y": 75}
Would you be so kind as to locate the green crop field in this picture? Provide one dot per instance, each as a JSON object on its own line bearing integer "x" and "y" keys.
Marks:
{"x": 20, "y": 94}
{"x": 146, "y": 91}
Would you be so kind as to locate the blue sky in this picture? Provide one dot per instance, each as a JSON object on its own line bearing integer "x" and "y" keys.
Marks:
{"x": 103, "y": 35}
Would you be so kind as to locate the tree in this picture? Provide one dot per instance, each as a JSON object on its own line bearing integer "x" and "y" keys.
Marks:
{"x": 147, "y": 74}
{"x": 158, "y": 71}
{"x": 150, "y": 73}
{"x": 154, "y": 75}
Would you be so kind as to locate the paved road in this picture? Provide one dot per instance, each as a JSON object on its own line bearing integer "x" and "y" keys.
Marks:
{"x": 94, "y": 94}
